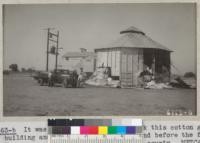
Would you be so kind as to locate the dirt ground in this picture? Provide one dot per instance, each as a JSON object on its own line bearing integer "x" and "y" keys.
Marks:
{"x": 23, "y": 96}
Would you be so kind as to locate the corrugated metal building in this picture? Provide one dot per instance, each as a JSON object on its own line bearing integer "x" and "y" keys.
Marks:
{"x": 128, "y": 56}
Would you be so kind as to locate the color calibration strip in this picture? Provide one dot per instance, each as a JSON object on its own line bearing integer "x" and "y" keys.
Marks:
{"x": 94, "y": 122}
{"x": 95, "y": 131}
{"x": 95, "y": 126}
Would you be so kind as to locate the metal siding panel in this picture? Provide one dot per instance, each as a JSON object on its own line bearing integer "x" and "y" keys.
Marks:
{"x": 102, "y": 59}
{"x": 123, "y": 63}
{"x": 127, "y": 68}
{"x": 109, "y": 59}
{"x": 117, "y": 71}
{"x": 140, "y": 52}
{"x": 135, "y": 66}
{"x": 105, "y": 55}
{"x": 98, "y": 61}
{"x": 130, "y": 63}
{"x": 113, "y": 63}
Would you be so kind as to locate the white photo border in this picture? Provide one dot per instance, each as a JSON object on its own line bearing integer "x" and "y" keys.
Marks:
{"x": 153, "y": 118}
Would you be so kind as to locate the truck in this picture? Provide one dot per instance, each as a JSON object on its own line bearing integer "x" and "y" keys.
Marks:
{"x": 41, "y": 77}
{"x": 62, "y": 77}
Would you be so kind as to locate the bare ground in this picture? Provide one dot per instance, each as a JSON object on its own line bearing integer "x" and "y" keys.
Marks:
{"x": 24, "y": 97}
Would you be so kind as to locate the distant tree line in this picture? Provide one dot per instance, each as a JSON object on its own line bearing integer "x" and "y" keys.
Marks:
{"x": 14, "y": 68}
{"x": 27, "y": 70}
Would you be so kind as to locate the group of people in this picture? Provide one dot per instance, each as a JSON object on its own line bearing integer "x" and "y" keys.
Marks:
{"x": 81, "y": 78}
{"x": 147, "y": 76}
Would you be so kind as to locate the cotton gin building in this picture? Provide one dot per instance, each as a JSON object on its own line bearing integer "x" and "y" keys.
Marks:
{"x": 129, "y": 55}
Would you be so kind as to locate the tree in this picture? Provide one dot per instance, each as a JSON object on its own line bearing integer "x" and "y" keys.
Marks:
{"x": 30, "y": 70}
{"x": 23, "y": 69}
{"x": 14, "y": 67}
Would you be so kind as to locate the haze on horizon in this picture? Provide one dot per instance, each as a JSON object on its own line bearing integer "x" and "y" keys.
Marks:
{"x": 93, "y": 26}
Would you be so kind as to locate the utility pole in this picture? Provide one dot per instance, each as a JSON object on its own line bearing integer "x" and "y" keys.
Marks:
{"x": 53, "y": 38}
{"x": 56, "y": 65}
{"x": 47, "y": 52}
{"x": 47, "y": 64}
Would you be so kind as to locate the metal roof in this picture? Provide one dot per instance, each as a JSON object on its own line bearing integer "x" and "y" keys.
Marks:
{"x": 132, "y": 29}
{"x": 135, "y": 38}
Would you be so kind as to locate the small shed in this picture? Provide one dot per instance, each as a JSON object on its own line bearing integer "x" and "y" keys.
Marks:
{"x": 129, "y": 55}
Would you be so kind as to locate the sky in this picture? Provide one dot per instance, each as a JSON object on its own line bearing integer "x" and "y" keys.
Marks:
{"x": 94, "y": 26}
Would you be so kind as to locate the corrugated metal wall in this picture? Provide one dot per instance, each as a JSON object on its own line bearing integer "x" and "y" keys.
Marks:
{"x": 109, "y": 58}
{"x": 126, "y": 63}
{"x": 131, "y": 66}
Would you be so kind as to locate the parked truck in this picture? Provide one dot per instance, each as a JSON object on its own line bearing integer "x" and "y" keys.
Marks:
{"x": 62, "y": 77}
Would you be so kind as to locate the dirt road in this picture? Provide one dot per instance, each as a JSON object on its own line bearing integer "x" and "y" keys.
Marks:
{"x": 24, "y": 97}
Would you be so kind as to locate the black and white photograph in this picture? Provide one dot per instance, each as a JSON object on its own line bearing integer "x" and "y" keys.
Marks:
{"x": 108, "y": 59}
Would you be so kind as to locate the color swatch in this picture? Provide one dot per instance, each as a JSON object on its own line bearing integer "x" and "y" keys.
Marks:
{"x": 95, "y": 122}
{"x": 95, "y": 126}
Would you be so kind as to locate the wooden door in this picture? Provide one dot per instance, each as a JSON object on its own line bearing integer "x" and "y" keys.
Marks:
{"x": 126, "y": 70}
{"x": 129, "y": 68}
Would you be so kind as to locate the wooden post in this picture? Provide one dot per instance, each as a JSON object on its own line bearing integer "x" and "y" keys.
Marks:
{"x": 169, "y": 56}
{"x": 126, "y": 68}
{"x": 120, "y": 67}
{"x": 56, "y": 65}
{"x": 153, "y": 63}
{"x": 47, "y": 62}
{"x": 132, "y": 67}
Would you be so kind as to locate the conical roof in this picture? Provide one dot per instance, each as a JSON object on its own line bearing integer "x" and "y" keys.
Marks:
{"x": 135, "y": 38}
{"x": 132, "y": 29}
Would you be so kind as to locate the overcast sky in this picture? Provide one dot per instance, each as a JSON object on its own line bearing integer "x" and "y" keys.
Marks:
{"x": 95, "y": 26}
